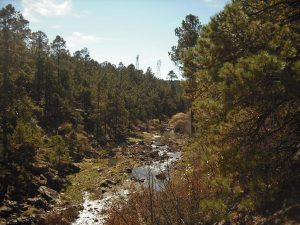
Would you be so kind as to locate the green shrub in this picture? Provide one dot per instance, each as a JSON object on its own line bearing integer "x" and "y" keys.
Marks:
{"x": 59, "y": 149}
{"x": 26, "y": 133}
{"x": 213, "y": 209}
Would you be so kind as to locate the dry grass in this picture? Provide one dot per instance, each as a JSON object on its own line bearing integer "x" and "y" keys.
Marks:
{"x": 181, "y": 122}
{"x": 177, "y": 204}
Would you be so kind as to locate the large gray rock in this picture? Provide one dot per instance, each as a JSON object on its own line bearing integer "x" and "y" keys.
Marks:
{"x": 48, "y": 193}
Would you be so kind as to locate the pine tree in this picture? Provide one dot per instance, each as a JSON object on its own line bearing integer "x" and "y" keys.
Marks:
{"x": 13, "y": 29}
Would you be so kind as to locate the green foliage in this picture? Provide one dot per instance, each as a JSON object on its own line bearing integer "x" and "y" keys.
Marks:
{"x": 243, "y": 77}
{"x": 213, "y": 210}
{"x": 26, "y": 133}
{"x": 247, "y": 204}
{"x": 59, "y": 149}
{"x": 187, "y": 37}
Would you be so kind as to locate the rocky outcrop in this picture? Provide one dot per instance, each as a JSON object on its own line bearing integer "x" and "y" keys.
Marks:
{"x": 38, "y": 202}
{"x": 39, "y": 167}
{"x": 49, "y": 194}
{"x": 55, "y": 182}
{"x": 33, "y": 185}
{"x": 5, "y": 211}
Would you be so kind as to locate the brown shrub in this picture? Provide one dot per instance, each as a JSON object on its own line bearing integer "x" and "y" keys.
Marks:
{"x": 178, "y": 203}
{"x": 181, "y": 122}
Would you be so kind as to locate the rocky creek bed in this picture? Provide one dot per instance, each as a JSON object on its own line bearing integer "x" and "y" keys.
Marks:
{"x": 153, "y": 163}
{"x": 81, "y": 193}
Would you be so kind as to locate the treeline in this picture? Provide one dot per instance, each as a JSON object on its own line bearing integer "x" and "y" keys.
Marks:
{"x": 43, "y": 86}
{"x": 242, "y": 74}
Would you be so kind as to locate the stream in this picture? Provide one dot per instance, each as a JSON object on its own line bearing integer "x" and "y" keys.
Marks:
{"x": 153, "y": 174}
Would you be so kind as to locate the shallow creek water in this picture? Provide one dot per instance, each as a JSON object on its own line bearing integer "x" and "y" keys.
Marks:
{"x": 94, "y": 211}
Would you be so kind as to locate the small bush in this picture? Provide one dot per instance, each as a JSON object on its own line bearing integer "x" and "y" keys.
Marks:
{"x": 181, "y": 122}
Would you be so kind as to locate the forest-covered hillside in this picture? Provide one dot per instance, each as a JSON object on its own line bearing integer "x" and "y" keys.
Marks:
{"x": 44, "y": 86}
{"x": 56, "y": 105}
{"x": 53, "y": 86}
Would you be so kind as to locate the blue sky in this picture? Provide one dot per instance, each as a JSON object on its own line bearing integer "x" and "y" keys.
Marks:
{"x": 117, "y": 30}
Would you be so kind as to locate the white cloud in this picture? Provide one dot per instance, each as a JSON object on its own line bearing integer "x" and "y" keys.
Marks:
{"x": 32, "y": 8}
{"x": 79, "y": 40}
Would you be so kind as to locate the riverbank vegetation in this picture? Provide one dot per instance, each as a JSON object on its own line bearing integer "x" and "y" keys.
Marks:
{"x": 242, "y": 164}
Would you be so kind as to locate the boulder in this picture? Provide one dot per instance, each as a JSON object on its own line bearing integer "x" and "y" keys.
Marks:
{"x": 38, "y": 202}
{"x": 23, "y": 207}
{"x": 107, "y": 183}
{"x": 142, "y": 153}
{"x": 5, "y": 211}
{"x": 48, "y": 193}
{"x": 111, "y": 182}
{"x": 161, "y": 176}
{"x": 67, "y": 168}
{"x": 103, "y": 190}
{"x": 43, "y": 179}
{"x": 11, "y": 204}
{"x": 100, "y": 170}
{"x": 54, "y": 181}
{"x": 104, "y": 185}
{"x": 39, "y": 168}
{"x": 127, "y": 170}
{"x": 21, "y": 221}
{"x": 164, "y": 157}
{"x": 154, "y": 154}
{"x": 140, "y": 180}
